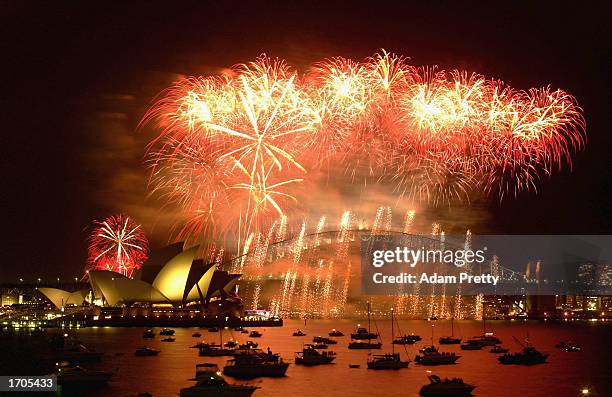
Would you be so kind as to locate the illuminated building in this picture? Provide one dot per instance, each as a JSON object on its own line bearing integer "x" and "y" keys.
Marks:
{"x": 170, "y": 278}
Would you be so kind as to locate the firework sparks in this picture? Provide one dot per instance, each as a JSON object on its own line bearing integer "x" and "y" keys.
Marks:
{"x": 117, "y": 244}
{"x": 236, "y": 151}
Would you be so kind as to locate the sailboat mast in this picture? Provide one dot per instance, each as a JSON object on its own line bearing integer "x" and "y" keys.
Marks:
{"x": 452, "y": 328}
{"x": 368, "y": 317}
{"x": 392, "y": 333}
{"x": 484, "y": 327}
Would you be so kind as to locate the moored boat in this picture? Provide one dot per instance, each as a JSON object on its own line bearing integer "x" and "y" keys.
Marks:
{"x": 436, "y": 358}
{"x": 336, "y": 333}
{"x": 529, "y": 356}
{"x": 322, "y": 339}
{"x": 362, "y": 334}
{"x": 249, "y": 366}
{"x": 364, "y": 345}
{"x": 144, "y": 351}
{"x": 471, "y": 345}
{"x": 498, "y": 349}
{"x": 455, "y": 387}
{"x": 387, "y": 361}
{"x": 486, "y": 339}
{"x": 212, "y": 384}
{"x": 406, "y": 340}
{"x": 211, "y": 350}
{"x": 68, "y": 375}
{"x": 311, "y": 356}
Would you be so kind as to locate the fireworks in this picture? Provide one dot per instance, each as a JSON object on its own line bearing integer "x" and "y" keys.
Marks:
{"x": 238, "y": 151}
{"x": 117, "y": 244}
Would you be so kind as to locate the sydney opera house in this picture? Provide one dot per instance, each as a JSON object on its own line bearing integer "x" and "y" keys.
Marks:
{"x": 170, "y": 281}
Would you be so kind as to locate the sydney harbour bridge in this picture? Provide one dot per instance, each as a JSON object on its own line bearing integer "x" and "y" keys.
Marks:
{"x": 317, "y": 275}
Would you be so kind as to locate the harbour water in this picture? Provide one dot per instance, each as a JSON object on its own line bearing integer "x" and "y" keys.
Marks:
{"x": 565, "y": 373}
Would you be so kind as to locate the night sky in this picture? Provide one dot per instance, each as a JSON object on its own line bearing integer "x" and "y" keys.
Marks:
{"x": 78, "y": 77}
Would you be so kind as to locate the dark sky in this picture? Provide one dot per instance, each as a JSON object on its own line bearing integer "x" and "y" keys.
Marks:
{"x": 71, "y": 68}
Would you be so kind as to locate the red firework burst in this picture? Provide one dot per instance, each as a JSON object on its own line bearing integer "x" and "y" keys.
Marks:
{"x": 117, "y": 244}
{"x": 235, "y": 149}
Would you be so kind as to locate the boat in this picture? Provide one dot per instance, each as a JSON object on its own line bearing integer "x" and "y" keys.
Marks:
{"x": 471, "y": 345}
{"x": 213, "y": 329}
{"x": 529, "y": 356}
{"x": 388, "y": 361}
{"x": 299, "y": 332}
{"x": 249, "y": 345}
{"x": 212, "y": 384}
{"x": 498, "y": 349}
{"x": 450, "y": 340}
{"x": 204, "y": 368}
{"x": 215, "y": 351}
{"x": 169, "y": 339}
{"x": 354, "y": 365}
{"x": 196, "y": 335}
{"x": 310, "y": 356}
{"x": 148, "y": 334}
{"x": 486, "y": 339}
{"x": 319, "y": 345}
{"x": 430, "y": 355}
{"x": 79, "y": 353}
{"x": 406, "y": 340}
{"x": 222, "y": 349}
{"x": 335, "y": 332}
{"x": 436, "y": 358}
{"x": 322, "y": 339}
{"x": 244, "y": 331}
{"x": 166, "y": 331}
{"x": 144, "y": 351}
{"x": 255, "y": 334}
{"x": 238, "y": 329}
{"x": 360, "y": 345}
{"x": 455, "y": 387}
{"x": 362, "y": 339}
{"x": 428, "y": 349}
{"x": 240, "y": 351}
{"x": 568, "y": 346}
{"x": 249, "y": 366}
{"x": 69, "y": 375}
{"x": 363, "y": 334}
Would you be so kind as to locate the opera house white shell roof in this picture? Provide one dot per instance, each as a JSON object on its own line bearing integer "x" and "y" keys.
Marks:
{"x": 180, "y": 280}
